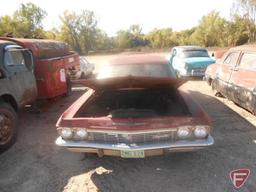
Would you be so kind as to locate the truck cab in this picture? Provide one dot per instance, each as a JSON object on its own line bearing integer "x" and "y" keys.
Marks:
{"x": 17, "y": 88}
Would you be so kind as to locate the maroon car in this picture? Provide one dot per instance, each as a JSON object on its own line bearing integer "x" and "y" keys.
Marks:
{"x": 134, "y": 109}
{"x": 234, "y": 76}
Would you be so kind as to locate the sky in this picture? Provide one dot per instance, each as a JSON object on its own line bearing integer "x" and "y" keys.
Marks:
{"x": 113, "y": 15}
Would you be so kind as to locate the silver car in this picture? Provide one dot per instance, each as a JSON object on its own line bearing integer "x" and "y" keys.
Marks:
{"x": 86, "y": 68}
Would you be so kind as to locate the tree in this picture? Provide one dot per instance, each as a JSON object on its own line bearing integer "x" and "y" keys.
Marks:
{"x": 210, "y": 32}
{"x": 79, "y": 30}
{"x": 6, "y": 25}
{"x": 28, "y": 21}
{"x": 25, "y": 22}
{"x": 247, "y": 9}
{"x": 160, "y": 38}
{"x": 124, "y": 39}
{"x": 103, "y": 42}
{"x": 130, "y": 38}
{"x": 236, "y": 31}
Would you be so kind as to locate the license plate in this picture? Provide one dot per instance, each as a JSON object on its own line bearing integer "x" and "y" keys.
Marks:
{"x": 132, "y": 154}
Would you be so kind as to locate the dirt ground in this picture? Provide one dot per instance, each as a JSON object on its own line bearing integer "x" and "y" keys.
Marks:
{"x": 36, "y": 164}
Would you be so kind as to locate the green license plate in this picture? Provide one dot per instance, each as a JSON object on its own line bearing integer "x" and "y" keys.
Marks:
{"x": 132, "y": 154}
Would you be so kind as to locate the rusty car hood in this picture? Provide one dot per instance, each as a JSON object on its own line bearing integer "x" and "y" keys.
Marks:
{"x": 131, "y": 82}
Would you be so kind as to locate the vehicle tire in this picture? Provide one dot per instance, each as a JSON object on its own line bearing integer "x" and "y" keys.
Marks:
{"x": 178, "y": 74}
{"x": 69, "y": 88}
{"x": 82, "y": 76}
{"x": 214, "y": 90}
{"x": 8, "y": 126}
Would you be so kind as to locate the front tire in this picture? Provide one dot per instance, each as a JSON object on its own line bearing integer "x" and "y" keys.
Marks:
{"x": 214, "y": 89}
{"x": 69, "y": 88}
{"x": 82, "y": 76}
{"x": 8, "y": 126}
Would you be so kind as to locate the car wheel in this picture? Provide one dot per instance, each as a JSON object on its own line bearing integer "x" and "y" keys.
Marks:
{"x": 178, "y": 74}
{"x": 82, "y": 75}
{"x": 8, "y": 126}
{"x": 214, "y": 90}
{"x": 69, "y": 88}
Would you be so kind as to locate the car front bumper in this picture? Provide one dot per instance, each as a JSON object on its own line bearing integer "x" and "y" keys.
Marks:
{"x": 150, "y": 149}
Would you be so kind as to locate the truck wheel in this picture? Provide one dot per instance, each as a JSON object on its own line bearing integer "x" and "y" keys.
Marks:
{"x": 8, "y": 126}
{"x": 69, "y": 88}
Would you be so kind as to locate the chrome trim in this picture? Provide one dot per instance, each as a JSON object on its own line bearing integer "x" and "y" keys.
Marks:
{"x": 133, "y": 132}
{"x": 133, "y": 147}
{"x": 8, "y": 47}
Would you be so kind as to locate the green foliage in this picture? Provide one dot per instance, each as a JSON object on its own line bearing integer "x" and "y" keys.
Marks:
{"x": 210, "y": 31}
{"x": 70, "y": 31}
{"x": 25, "y": 22}
{"x": 130, "y": 38}
{"x": 246, "y": 9}
{"x": 80, "y": 30}
{"x": 160, "y": 38}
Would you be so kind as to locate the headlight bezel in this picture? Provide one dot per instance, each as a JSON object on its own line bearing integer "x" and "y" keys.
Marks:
{"x": 77, "y": 137}
{"x": 192, "y": 132}
{"x": 62, "y": 129}
{"x": 74, "y": 135}
{"x": 204, "y": 128}
{"x": 184, "y": 129}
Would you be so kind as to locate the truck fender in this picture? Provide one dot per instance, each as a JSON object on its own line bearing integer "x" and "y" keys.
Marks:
{"x": 8, "y": 98}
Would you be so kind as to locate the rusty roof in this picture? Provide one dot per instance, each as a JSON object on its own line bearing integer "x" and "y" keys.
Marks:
{"x": 27, "y": 40}
{"x": 139, "y": 59}
{"x": 248, "y": 47}
{"x": 5, "y": 42}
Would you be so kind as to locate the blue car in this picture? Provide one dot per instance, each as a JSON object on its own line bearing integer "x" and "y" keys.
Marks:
{"x": 190, "y": 61}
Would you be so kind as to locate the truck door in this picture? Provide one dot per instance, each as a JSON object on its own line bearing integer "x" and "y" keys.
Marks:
{"x": 18, "y": 63}
{"x": 224, "y": 73}
{"x": 243, "y": 80}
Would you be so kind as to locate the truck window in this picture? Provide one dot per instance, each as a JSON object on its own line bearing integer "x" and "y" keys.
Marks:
{"x": 14, "y": 58}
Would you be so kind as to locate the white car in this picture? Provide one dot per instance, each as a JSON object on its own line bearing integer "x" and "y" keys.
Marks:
{"x": 86, "y": 68}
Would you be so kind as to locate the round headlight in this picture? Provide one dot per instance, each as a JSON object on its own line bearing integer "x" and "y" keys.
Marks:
{"x": 200, "y": 132}
{"x": 81, "y": 133}
{"x": 183, "y": 133}
{"x": 65, "y": 133}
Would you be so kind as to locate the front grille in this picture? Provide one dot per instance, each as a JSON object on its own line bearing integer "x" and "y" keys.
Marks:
{"x": 140, "y": 138}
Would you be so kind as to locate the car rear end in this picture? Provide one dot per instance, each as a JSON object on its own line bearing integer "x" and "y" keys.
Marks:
{"x": 195, "y": 60}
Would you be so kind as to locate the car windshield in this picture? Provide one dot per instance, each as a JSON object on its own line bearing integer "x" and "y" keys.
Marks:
{"x": 147, "y": 70}
{"x": 194, "y": 53}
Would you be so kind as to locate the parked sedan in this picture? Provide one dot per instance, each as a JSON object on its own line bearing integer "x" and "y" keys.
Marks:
{"x": 190, "y": 60}
{"x": 234, "y": 76}
{"x": 134, "y": 109}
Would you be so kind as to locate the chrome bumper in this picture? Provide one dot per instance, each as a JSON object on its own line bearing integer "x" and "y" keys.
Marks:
{"x": 197, "y": 144}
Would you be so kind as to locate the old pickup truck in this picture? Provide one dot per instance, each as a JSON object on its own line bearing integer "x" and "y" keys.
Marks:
{"x": 134, "y": 109}
{"x": 17, "y": 88}
{"x": 54, "y": 65}
{"x": 31, "y": 69}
